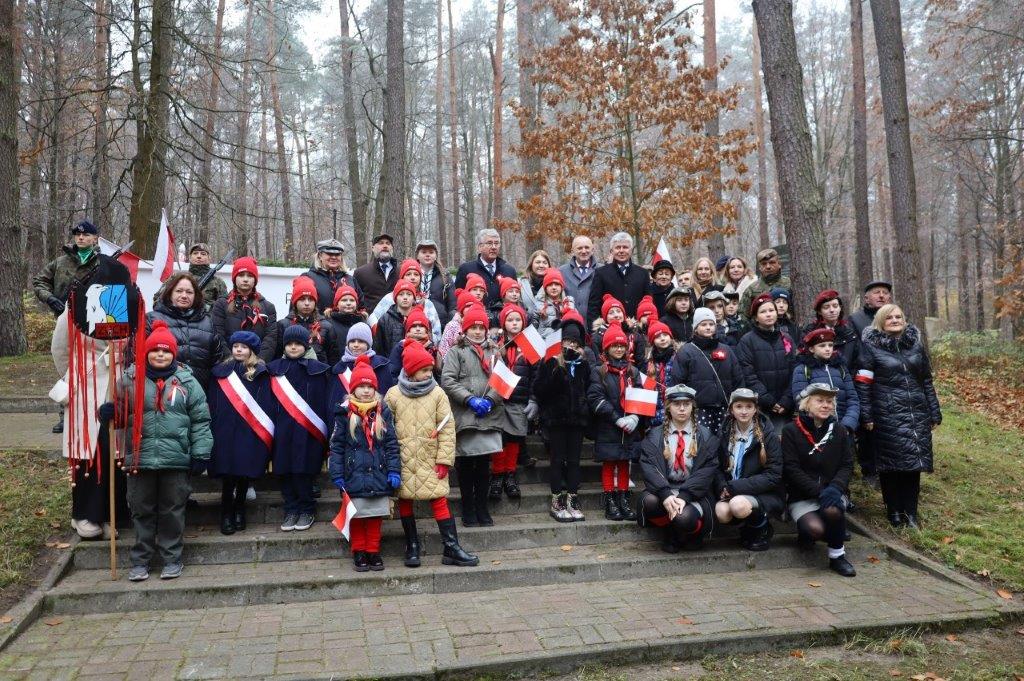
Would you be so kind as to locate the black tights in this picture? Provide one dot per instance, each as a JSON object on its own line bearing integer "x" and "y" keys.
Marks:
{"x": 684, "y": 526}
{"x": 564, "y": 448}
{"x": 232, "y": 492}
{"x": 826, "y": 523}
{"x": 900, "y": 490}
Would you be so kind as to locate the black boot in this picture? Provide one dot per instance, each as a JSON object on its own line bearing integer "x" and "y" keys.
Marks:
{"x": 757, "y": 538}
{"x": 611, "y": 506}
{"x": 896, "y": 519}
{"x": 669, "y": 542}
{"x": 240, "y": 513}
{"x": 911, "y": 521}
{"x": 494, "y": 486}
{"x": 453, "y": 553}
{"x": 412, "y": 542}
{"x": 227, "y": 522}
{"x": 625, "y": 505}
{"x": 469, "y": 516}
{"x": 480, "y": 492}
{"x": 59, "y": 426}
{"x": 842, "y": 566}
{"x": 511, "y": 485}
{"x": 360, "y": 561}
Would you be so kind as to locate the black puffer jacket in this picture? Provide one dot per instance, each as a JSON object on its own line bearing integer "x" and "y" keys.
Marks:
{"x": 199, "y": 346}
{"x": 807, "y": 470}
{"x": 763, "y": 481}
{"x": 227, "y": 318}
{"x": 682, "y": 327}
{"x": 328, "y": 282}
{"x": 340, "y": 323}
{"x": 897, "y": 395}
{"x": 520, "y": 367}
{"x": 698, "y": 485}
{"x": 611, "y": 443}
{"x": 561, "y": 396}
{"x": 390, "y": 330}
{"x": 324, "y": 342}
{"x": 709, "y": 367}
{"x": 442, "y": 294}
{"x": 767, "y": 359}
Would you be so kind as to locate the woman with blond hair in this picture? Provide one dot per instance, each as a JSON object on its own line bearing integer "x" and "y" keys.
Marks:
{"x": 532, "y": 284}
{"x": 703, "y": 276}
{"x": 737, "y": 275}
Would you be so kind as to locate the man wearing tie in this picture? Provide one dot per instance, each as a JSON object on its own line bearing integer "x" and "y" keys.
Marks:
{"x": 487, "y": 264}
{"x": 622, "y": 278}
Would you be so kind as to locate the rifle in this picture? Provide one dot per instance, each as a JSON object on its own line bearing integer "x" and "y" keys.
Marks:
{"x": 213, "y": 270}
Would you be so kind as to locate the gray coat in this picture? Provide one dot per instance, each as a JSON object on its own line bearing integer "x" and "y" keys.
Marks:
{"x": 463, "y": 377}
{"x": 576, "y": 286}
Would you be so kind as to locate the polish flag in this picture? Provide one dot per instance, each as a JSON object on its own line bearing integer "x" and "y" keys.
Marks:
{"x": 166, "y": 252}
{"x": 503, "y": 380}
{"x": 648, "y": 382}
{"x": 346, "y": 379}
{"x": 127, "y": 258}
{"x": 531, "y": 344}
{"x": 554, "y": 345}
{"x": 661, "y": 252}
{"x": 345, "y": 514}
{"x": 641, "y": 401}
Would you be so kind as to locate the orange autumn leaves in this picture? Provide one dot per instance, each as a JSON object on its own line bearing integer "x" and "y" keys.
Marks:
{"x": 621, "y": 137}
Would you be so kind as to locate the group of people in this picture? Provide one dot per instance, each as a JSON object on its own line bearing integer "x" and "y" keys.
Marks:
{"x": 700, "y": 382}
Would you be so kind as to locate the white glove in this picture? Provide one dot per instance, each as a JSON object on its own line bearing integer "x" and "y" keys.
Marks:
{"x": 531, "y": 410}
{"x": 628, "y": 423}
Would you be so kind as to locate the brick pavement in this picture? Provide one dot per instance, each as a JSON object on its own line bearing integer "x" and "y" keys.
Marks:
{"x": 420, "y": 633}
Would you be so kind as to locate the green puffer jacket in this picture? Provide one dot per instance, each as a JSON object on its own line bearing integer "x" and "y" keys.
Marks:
{"x": 57, "y": 277}
{"x": 173, "y": 438}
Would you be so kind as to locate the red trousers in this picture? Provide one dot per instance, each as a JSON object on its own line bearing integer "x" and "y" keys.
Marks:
{"x": 505, "y": 461}
{"x": 364, "y": 534}
{"x": 438, "y": 506}
{"x": 608, "y": 475}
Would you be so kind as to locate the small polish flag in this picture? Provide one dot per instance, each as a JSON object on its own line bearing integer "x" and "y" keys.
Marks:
{"x": 503, "y": 380}
{"x": 346, "y": 379}
{"x": 641, "y": 401}
{"x": 166, "y": 252}
{"x": 531, "y": 344}
{"x": 345, "y": 514}
{"x": 648, "y": 382}
{"x": 661, "y": 252}
{"x": 554, "y": 345}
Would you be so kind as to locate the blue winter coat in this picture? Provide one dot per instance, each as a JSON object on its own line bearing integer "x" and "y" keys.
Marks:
{"x": 295, "y": 449}
{"x": 338, "y": 394}
{"x": 365, "y": 472}
{"x": 237, "y": 450}
{"x": 834, "y": 373}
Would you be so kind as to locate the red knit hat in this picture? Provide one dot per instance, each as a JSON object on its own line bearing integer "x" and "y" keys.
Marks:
{"x": 409, "y": 264}
{"x": 404, "y": 285}
{"x": 646, "y": 306}
{"x": 245, "y": 264}
{"x": 614, "y": 335}
{"x": 415, "y": 357}
{"x": 161, "y": 338}
{"x": 506, "y": 284}
{"x": 303, "y": 286}
{"x": 362, "y": 374}
{"x": 816, "y": 336}
{"x": 475, "y": 314}
{"x": 511, "y": 308}
{"x": 756, "y": 303}
{"x": 656, "y": 328}
{"x": 345, "y": 290}
{"x": 464, "y": 298}
{"x": 553, "y": 276}
{"x": 824, "y": 297}
{"x": 608, "y": 302}
{"x": 417, "y": 316}
{"x": 474, "y": 280}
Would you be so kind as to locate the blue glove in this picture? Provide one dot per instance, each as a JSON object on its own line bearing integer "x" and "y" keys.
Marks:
{"x": 106, "y": 412}
{"x": 488, "y": 405}
{"x": 479, "y": 405}
{"x": 198, "y": 466}
{"x": 830, "y": 497}
{"x": 339, "y": 482}
{"x": 394, "y": 480}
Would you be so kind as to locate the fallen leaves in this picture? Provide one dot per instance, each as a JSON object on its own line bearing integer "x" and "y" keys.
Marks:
{"x": 948, "y": 540}
{"x": 39, "y": 512}
{"x": 55, "y": 525}
{"x": 927, "y": 676}
{"x": 873, "y": 559}
{"x": 816, "y": 585}
{"x": 1004, "y": 594}
{"x": 57, "y": 545}
{"x": 53, "y": 621}
{"x": 495, "y": 562}
{"x": 798, "y": 654}
{"x": 567, "y": 547}
{"x": 894, "y": 673}
{"x": 952, "y": 638}
{"x": 6, "y": 619}
{"x": 983, "y": 573}
{"x": 1020, "y": 632}
{"x": 684, "y": 620}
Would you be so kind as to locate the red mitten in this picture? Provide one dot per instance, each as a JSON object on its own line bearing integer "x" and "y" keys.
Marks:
{"x": 441, "y": 470}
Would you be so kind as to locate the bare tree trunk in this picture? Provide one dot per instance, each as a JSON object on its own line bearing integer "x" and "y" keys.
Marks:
{"x": 860, "y": 146}
{"x": 453, "y": 116}
{"x": 963, "y": 260}
{"x": 800, "y": 194}
{"x": 497, "y": 67}
{"x": 979, "y": 261}
{"x": 268, "y": 225}
{"x": 12, "y": 272}
{"x": 359, "y": 199}
{"x": 203, "y": 233}
{"x": 240, "y": 227}
{"x": 302, "y": 235}
{"x": 394, "y": 124}
{"x": 716, "y": 242}
{"x": 762, "y": 152}
{"x": 909, "y": 282}
{"x": 99, "y": 208}
{"x": 529, "y": 101}
{"x": 282, "y": 159}
{"x": 442, "y": 236}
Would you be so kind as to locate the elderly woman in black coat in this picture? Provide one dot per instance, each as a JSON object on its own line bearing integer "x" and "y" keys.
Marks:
{"x": 900, "y": 407}
{"x": 181, "y": 307}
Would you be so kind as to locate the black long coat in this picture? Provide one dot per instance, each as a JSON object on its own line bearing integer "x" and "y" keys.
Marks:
{"x": 562, "y": 397}
{"x": 611, "y": 443}
{"x": 501, "y": 269}
{"x": 767, "y": 359}
{"x": 628, "y": 289}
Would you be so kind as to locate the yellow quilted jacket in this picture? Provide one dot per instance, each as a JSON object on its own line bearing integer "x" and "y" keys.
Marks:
{"x": 415, "y": 419}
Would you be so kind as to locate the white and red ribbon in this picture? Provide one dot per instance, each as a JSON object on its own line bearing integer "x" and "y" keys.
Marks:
{"x": 247, "y": 407}
{"x": 298, "y": 408}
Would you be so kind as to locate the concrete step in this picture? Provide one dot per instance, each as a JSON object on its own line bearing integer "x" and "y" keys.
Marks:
{"x": 332, "y": 577}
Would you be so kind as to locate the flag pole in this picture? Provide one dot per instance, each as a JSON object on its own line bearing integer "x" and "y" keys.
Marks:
{"x": 112, "y": 478}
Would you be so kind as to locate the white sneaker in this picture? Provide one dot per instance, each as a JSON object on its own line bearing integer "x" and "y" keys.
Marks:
{"x": 106, "y": 531}
{"x": 86, "y": 529}
{"x": 250, "y": 494}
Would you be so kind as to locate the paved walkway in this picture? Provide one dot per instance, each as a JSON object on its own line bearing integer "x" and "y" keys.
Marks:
{"x": 416, "y": 634}
{"x": 28, "y": 431}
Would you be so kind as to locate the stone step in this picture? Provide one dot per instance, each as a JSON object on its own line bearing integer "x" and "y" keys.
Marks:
{"x": 332, "y": 577}
{"x": 268, "y": 544}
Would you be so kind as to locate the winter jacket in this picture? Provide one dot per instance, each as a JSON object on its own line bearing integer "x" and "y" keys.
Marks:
{"x": 227, "y": 318}
{"x": 339, "y": 393}
{"x": 372, "y": 282}
{"x": 742, "y": 286}
{"x": 388, "y": 302}
{"x": 682, "y": 327}
{"x": 58, "y": 275}
{"x": 834, "y": 373}
{"x": 462, "y": 377}
{"x": 788, "y": 327}
{"x": 395, "y": 360}
{"x": 699, "y": 484}
{"x": 755, "y": 479}
{"x": 862, "y": 319}
{"x": 767, "y": 358}
{"x": 441, "y": 293}
{"x": 237, "y": 450}
{"x": 577, "y": 286}
{"x": 898, "y": 396}
{"x": 515, "y": 415}
{"x": 199, "y": 345}
{"x": 328, "y": 282}
{"x": 323, "y": 342}
{"x": 422, "y": 445}
{"x": 807, "y": 470}
{"x": 846, "y": 344}
{"x": 660, "y": 295}
{"x": 546, "y": 311}
{"x": 658, "y": 368}
{"x": 730, "y": 332}
{"x": 709, "y": 367}
{"x": 296, "y": 450}
{"x": 759, "y": 286}
{"x": 214, "y": 290}
{"x": 628, "y": 288}
{"x": 340, "y": 323}
{"x": 611, "y": 443}
{"x": 531, "y": 290}
{"x": 390, "y": 331}
{"x": 561, "y": 396}
{"x": 636, "y": 348}
{"x": 364, "y": 471}
{"x": 177, "y": 435}
{"x": 501, "y": 269}
{"x": 450, "y": 336}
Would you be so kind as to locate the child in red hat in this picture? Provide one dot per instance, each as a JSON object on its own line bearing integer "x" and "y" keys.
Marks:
{"x": 453, "y": 329}
{"x": 520, "y": 408}
{"x": 303, "y": 311}
{"x": 390, "y": 328}
{"x": 411, "y": 272}
{"x": 660, "y": 349}
{"x": 417, "y": 331}
{"x": 343, "y": 314}
{"x": 614, "y": 312}
{"x": 244, "y": 309}
{"x": 551, "y": 303}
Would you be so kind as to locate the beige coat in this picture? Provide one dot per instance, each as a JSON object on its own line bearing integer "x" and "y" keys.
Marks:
{"x": 87, "y": 400}
{"x": 415, "y": 420}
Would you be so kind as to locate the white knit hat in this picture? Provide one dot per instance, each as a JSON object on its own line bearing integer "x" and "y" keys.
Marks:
{"x": 702, "y": 314}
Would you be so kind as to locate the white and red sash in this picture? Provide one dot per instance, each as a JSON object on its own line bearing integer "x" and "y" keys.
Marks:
{"x": 298, "y": 408}
{"x": 246, "y": 406}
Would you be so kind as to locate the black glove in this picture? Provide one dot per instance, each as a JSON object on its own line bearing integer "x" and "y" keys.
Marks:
{"x": 106, "y": 412}
{"x": 55, "y": 304}
{"x": 830, "y": 497}
{"x": 198, "y": 466}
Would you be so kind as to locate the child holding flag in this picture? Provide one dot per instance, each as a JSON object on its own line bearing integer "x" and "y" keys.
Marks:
{"x": 426, "y": 440}
{"x": 552, "y": 303}
{"x": 300, "y": 387}
{"x": 520, "y": 408}
{"x": 365, "y": 464}
{"x": 479, "y": 412}
{"x": 614, "y": 312}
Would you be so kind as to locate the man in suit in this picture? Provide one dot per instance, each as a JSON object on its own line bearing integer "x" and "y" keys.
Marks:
{"x": 378, "y": 277}
{"x": 487, "y": 264}
{"x": 579, "y": 271}
{"x": 622, "y": 278}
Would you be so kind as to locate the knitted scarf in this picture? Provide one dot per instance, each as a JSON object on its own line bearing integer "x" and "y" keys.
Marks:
{"x": 411, "y": 388}
{"x": 623, "y": 370}
{"x": 367, "y": 413}
{"x": 312, "y": 323}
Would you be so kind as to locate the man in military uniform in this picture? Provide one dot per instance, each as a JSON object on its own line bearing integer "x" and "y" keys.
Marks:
{"x": 52, "y": 285}
{"x": 198, "y": 266}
